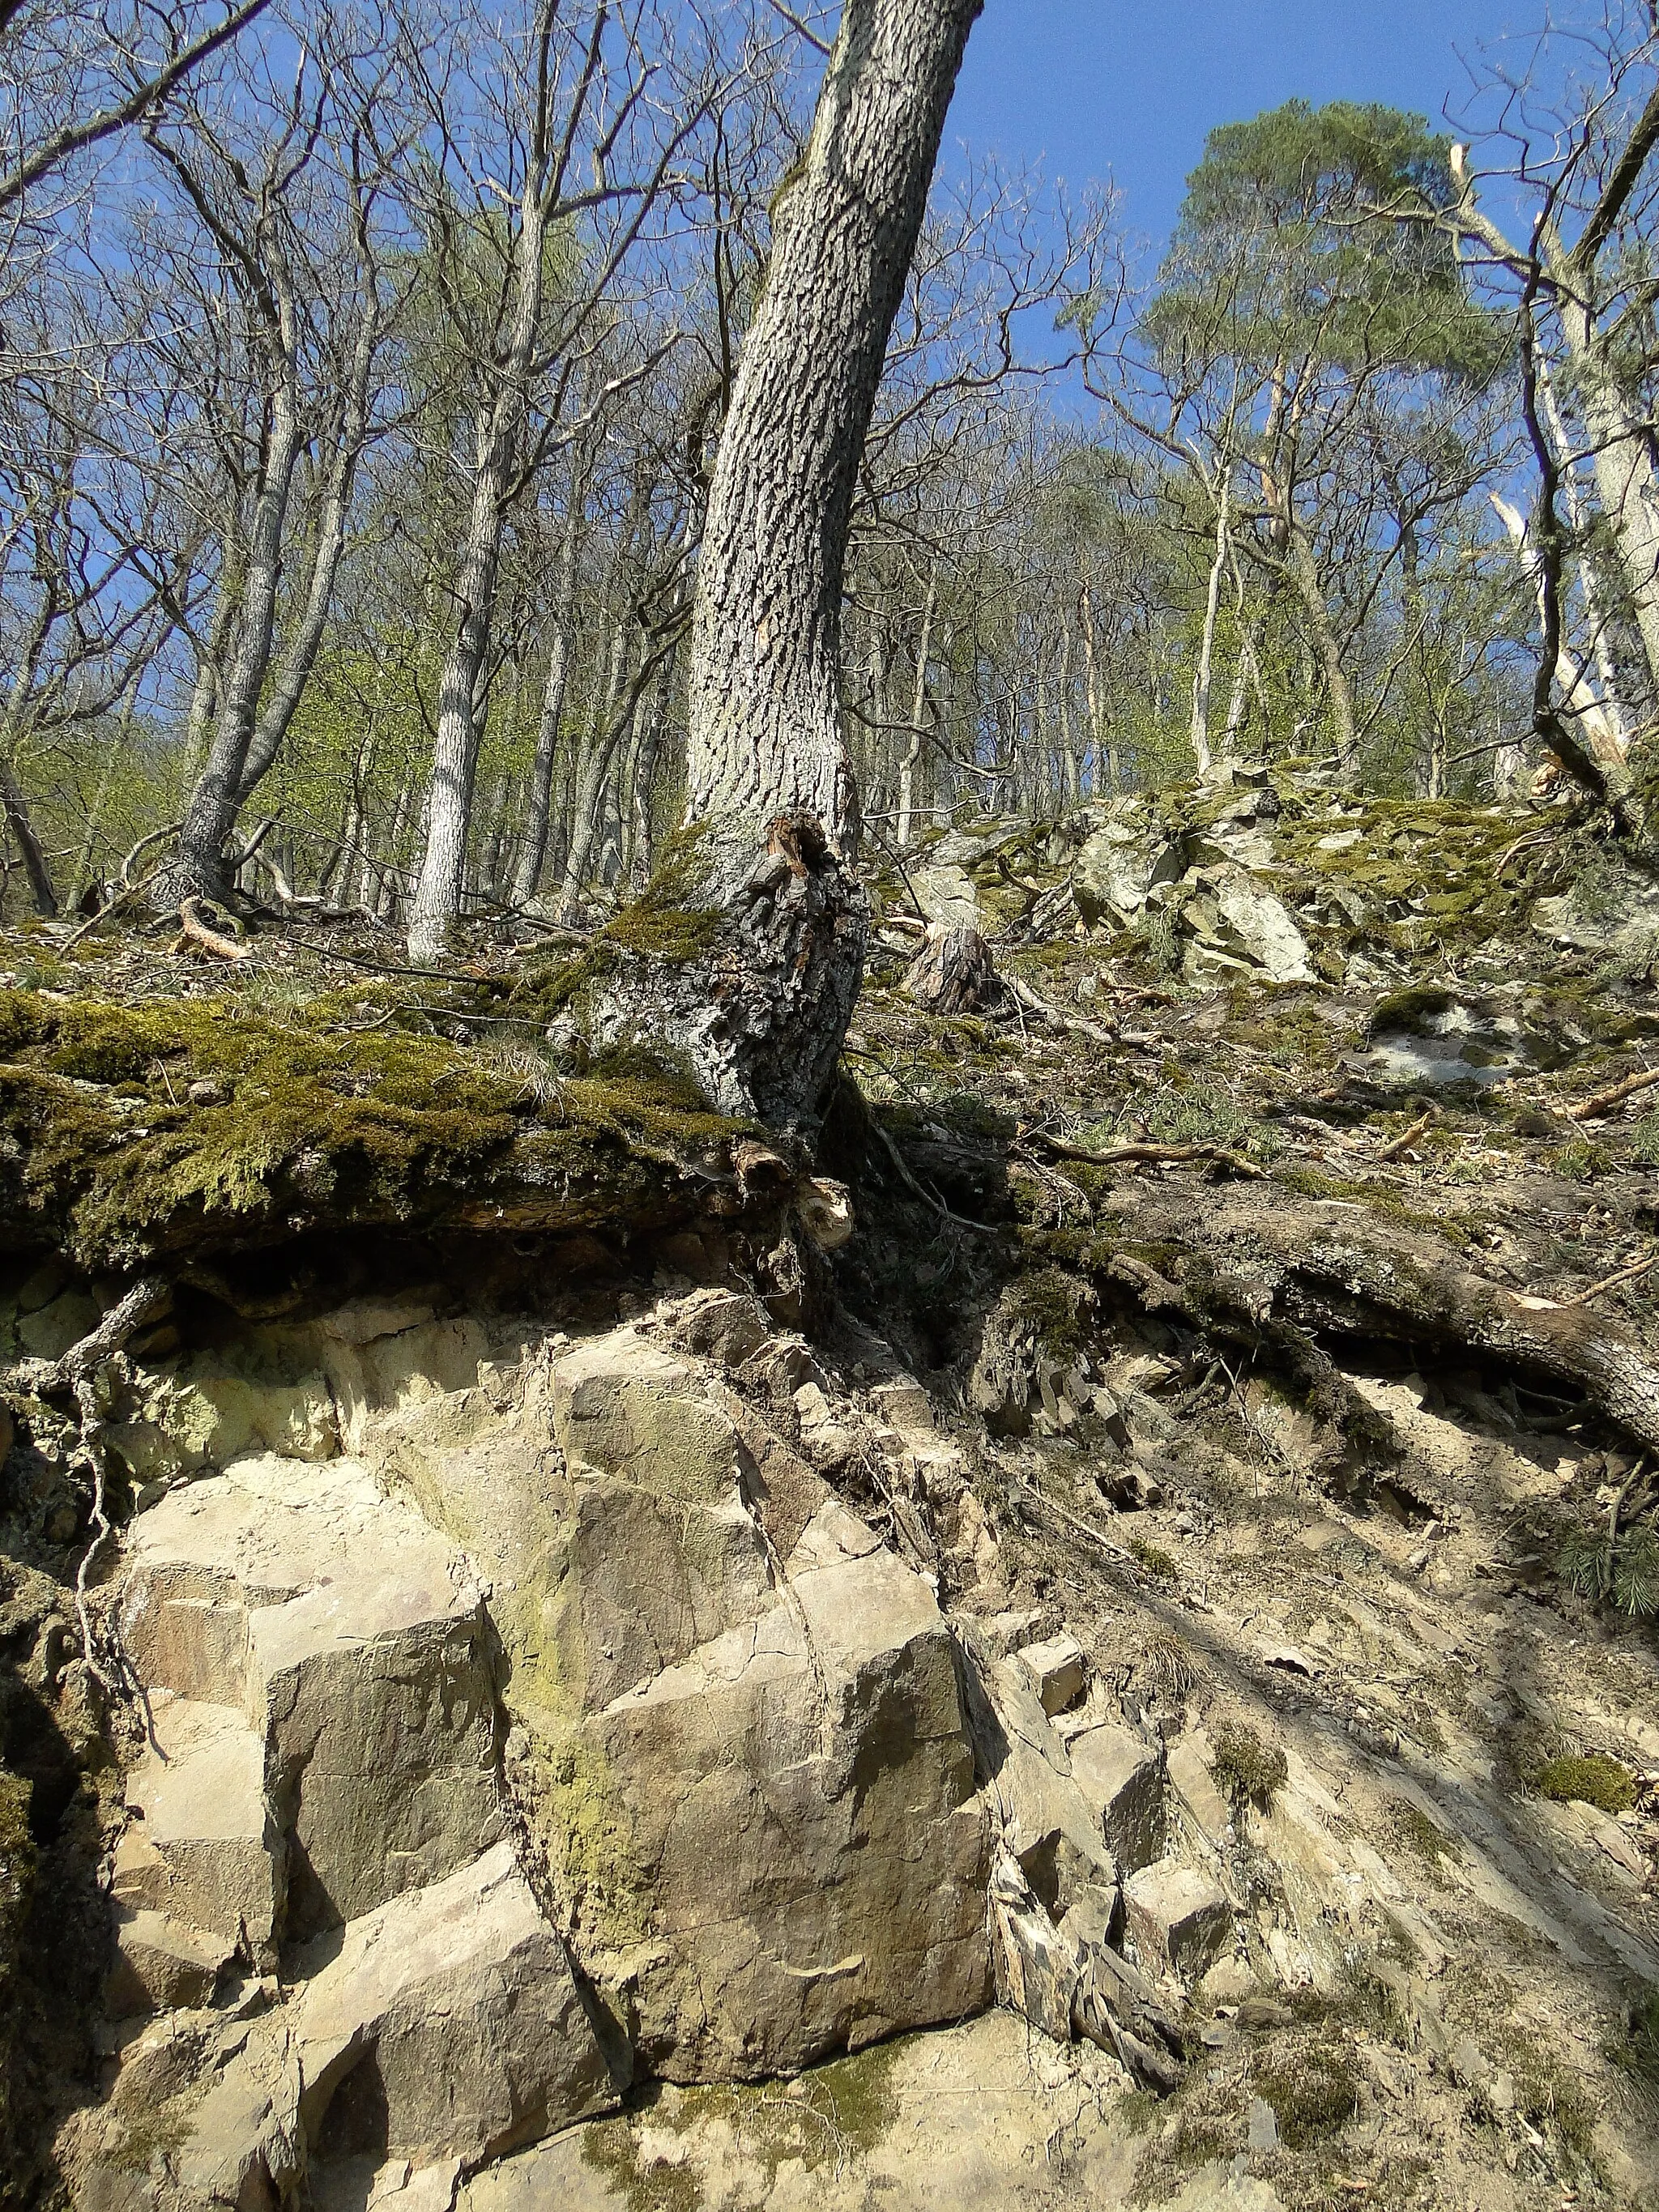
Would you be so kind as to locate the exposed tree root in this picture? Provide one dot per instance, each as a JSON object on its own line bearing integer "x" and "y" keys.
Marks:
{"x": 77, "y": 1373}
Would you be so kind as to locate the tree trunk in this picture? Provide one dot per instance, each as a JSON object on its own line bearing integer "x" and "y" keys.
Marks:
{"x": 527, "y": 880}
{"x": 198, "y": 868}
{"x": 761, "y": 1012}
{"x": 498, "y": 435}
{"x": 1339, "y": 693}
{"x": 907, "y": 787}
{"x": 1624, "y": 480}
{"x": 1201, "y": 681}
{"x": 766, "y": 735}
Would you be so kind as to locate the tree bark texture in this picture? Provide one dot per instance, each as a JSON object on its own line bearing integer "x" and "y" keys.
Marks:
{"x": 760, "y": 1010}
{"x": 764, "y": 702}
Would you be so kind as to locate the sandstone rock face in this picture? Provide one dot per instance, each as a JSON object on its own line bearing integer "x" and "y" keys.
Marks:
{"x": 447, "y": 2025}
{"x": 203, "y": 1849}
{"x": 1121, "y": 1775}
{"x": 741, "y": 1737}
{"x": 1179, "y": 1917}
{"x": 353, "y": 1642}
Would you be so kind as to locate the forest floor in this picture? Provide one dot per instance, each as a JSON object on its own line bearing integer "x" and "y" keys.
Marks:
{"x": 1277, "y": 1242}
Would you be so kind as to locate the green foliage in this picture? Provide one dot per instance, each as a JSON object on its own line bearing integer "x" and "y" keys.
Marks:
{"x": 1593, "y": 1779}
{"x": 1245, "y": 1769}
{"x": 1285, "y": 199}
{"x": 1623, "y": 1574}
{"x": 1645, "y": 1148}
{"x": 1582, "y": 1160}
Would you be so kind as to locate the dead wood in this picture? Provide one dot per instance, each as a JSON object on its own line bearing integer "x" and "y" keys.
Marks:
{"x": 1068, "y": 1025}
{"x": 1148, "y": 1155}
{"x": 1588, "y": 1109}
{"x": 954, "y": 972}
{"x": 1405, "y": 1141}
{"x": 195, "y": 930}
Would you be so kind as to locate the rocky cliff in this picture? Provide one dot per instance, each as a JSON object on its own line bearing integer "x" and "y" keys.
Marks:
{"x": 1092, "y": 1645}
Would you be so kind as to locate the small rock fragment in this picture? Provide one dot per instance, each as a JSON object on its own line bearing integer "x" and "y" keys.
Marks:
{"x": 1059, "y": 1669}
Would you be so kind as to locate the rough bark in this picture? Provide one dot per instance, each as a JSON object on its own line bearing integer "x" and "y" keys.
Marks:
{"x": 760, "y": 1010}
{"x": 765, "y": 734}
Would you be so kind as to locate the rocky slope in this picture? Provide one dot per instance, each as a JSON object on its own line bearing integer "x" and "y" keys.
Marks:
{"x": 1129, "y": 1679}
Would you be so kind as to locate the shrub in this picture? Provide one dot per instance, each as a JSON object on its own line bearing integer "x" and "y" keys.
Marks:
{"x": 1245, "y": 1769}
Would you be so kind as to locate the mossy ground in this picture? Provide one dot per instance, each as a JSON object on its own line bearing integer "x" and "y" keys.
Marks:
{"x": 823, "y": 2119}
{"x": 129, "y": 1129}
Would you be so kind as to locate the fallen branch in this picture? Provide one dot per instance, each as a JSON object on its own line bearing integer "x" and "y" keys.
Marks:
{"x": 1071, "y": 1025}
{"x": 1612, "y": 1282}
{"x": 1588, "y": 1109}
{"x": 1138, "y": 1155}
{"x": 1402, "y": 1143}
{"x": 195, "y": 931}
{"x": 927, "y": 1197}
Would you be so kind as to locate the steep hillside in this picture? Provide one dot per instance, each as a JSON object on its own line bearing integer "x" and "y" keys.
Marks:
{"x": 1092, "y": 1643}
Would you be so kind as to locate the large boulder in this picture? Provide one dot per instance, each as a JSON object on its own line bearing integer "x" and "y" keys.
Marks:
{"x": 353, "y": 1642}
{"x": 1239, "y": 924}
{"x": 446, "y": 2024}
{"x": 1117, "y": 871}
{"x": 739, "y": 1734}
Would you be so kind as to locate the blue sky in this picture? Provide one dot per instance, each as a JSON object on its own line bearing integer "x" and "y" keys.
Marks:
{"x": 1109, "y": 87}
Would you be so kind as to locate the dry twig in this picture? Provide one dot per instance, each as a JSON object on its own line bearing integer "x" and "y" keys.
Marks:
{"x": 1589, "y": 1110}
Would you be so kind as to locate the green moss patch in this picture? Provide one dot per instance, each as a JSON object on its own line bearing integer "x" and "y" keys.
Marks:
{"x": 127, "y": 1131}
{"x": 1593, "y": 1780}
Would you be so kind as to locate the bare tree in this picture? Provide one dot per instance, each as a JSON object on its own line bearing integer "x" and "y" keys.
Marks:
{"x": 589, "y": 143}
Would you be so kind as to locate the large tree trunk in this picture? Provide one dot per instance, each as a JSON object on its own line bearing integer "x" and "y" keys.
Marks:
{"x": 761, "y": 1010}
{"x": 1624, "y": 480}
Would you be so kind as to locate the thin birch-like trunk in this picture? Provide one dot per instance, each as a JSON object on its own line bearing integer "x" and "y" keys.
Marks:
{"x": 912, "y": 753}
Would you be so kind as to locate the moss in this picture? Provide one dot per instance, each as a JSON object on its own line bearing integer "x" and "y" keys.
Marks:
{"x": 611, "y": 2150}
{"x": 17, "y": 1874}
{"x": 579, "y": 1803}
{"x": 1635, "y": 2049}
{"x": 1155, "y": 1561}
{"x": 1053, "y": 1307}
{"x": 303, "y": 1125}
{"x": 1594, "y": 1779}
{"x": 844, "y": 2107}
{"x": 1245, "y": 1769}
{"x": 1312, "y": 2087}
{"x": 667, "y": 922}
